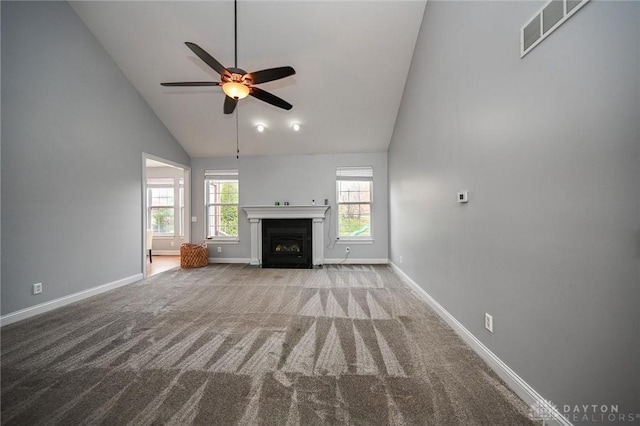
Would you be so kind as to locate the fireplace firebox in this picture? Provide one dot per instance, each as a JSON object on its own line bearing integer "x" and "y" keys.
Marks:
{"x": 286, "y": 243}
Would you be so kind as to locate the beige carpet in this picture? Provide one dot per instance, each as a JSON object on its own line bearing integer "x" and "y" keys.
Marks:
{"x": 232, "y": 344}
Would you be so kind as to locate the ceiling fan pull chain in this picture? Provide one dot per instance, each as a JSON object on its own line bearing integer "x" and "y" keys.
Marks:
{"x": 237, "y": 137}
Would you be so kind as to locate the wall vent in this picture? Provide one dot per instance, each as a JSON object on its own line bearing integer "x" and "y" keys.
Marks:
{"x": 531, "y": 33}
{"x": 571, "y": 4}
{"x": 553, "y": 14}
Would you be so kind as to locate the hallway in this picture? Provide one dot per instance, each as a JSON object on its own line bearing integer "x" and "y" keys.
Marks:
{"x": 161, "y": 264}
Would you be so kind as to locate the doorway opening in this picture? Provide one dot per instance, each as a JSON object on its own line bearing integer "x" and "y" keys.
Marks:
{"x": 166, "y": 188}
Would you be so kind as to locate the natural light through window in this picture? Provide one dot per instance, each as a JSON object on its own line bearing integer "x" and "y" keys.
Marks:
{"x": 222, "y": 204}
{"x": 354, "y": 197}
{"x": 161, "y": 205}
{"x": 181, "y": 221}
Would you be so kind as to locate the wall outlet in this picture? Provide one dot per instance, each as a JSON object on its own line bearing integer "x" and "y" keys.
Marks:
{"x": 348, "y": 250}
{"x": 219, "y": 249}
{"x": 37, "y": 288}
{"x": 488, "y": 322}
{"x": 194, "y": 219}
{"x": 400, "y": 259}
{"x": 172, "y": 243}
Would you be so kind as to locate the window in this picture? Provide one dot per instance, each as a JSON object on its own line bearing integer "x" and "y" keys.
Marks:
{"x": 354, "y": 193}
{"x": 222, "y": 204}
{"x": 181, "y": 192}
{"x": 161, "y": 208}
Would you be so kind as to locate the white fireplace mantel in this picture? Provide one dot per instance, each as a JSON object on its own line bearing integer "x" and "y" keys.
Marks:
{"x": 255, "y": 214}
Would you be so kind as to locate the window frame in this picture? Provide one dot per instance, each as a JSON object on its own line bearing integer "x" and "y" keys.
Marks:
{"x": 355, "y": 174}
{"x": 150, "y": 206}
{"x": 229, "y": 175}
{"x": 181, "y": 208}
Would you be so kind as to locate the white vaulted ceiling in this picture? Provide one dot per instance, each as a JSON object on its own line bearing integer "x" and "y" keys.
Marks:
{"x": 351, "y": 60}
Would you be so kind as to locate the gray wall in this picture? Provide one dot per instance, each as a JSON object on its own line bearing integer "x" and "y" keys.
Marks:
{"x": 73, "y": 133}
{"x": 297, "y": 179}
{"x": 548, "y": 147}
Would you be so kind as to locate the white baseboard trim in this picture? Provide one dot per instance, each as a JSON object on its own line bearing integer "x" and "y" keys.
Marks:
{"x": 164, "y": 252}
{"x": 511, "y": 378}
{"x": 65, "y": 300}
{"x": 229, "y": 260}
{"x": 356, "y": 261}
{"x": 326, "y": 261}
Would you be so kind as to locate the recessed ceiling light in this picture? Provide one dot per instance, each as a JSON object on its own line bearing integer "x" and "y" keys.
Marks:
{"x": 295, "y": 127}
{"x": 260, "y": 127}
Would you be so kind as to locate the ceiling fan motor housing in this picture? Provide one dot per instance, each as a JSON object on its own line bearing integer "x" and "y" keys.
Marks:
{"x": 235, "y": 74}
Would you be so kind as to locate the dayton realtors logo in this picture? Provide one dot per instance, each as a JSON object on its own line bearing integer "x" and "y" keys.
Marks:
{"x": 596, "y": 413}
{"x": 600, "y": 413}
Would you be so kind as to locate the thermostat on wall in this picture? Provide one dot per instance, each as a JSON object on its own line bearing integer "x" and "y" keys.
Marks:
{"x": 463, "y": 197}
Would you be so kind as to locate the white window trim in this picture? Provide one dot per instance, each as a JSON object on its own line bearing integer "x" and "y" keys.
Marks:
{"x": 176, "y": 208}
{"x": 181, "y": 208}
{"x": 355, "y": 241}
{"x": 354, "y": 173}
{"x": 219, "y": 175}
{"x": 222, "y": 241}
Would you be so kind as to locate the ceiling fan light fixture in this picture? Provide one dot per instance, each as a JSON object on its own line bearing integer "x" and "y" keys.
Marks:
{"x": 235, "y": 90}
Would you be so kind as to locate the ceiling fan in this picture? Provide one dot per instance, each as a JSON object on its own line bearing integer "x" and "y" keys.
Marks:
{"x": 237, "y": 83}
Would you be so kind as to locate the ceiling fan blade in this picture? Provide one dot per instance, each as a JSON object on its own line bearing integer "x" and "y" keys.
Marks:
{"x": 229, "y": 104}
{"x": 267, "y": 97}
{"x": 192, "y": 83}
{"x": 270, "y": 74}
{"x": 208, "y": 59}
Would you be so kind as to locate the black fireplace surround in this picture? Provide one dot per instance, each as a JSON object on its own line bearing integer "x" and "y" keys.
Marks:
{"x": 286, "y": 243}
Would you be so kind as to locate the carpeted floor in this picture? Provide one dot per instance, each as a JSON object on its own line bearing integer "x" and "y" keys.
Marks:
{"x": 232, "y": 344}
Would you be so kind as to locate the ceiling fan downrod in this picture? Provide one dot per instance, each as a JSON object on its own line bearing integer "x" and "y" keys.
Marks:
{"x": 235, "y": 33}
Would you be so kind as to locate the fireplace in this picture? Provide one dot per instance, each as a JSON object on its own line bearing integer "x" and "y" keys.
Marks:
{"x": 286, "y": 243}
{"x": 258, "y": 214}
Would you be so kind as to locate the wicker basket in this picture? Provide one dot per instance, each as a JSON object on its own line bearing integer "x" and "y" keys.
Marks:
{"x": 193, "y": 255}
